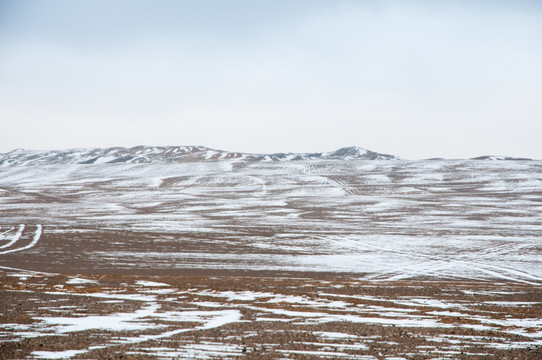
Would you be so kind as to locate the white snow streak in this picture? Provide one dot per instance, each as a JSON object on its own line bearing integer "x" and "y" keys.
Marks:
{"x": 37, "y": 236}
{"x": 14, "y": 239}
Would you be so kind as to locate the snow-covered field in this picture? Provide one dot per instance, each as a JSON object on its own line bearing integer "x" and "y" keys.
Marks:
{"x": 380, "y": 220}
{"x": 300, "y": 259}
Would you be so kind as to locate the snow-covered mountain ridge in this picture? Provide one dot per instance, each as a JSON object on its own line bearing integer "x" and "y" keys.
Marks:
{"x": 180, "y": 154}
{"x": 171, "y": 154}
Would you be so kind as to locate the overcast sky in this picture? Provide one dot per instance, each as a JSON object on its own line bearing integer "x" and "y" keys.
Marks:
{"x": 415, "y": 79}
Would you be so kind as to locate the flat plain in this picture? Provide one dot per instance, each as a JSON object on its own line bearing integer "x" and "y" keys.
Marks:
{"x": 309, "y": 259}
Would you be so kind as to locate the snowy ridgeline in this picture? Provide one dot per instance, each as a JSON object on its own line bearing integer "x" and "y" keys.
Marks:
{"x": 170, "y": 154}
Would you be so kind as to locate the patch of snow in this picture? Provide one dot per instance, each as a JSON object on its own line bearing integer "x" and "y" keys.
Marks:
{"x": 78, "y": 281}
{"x": 324, "y": 354}
{"x": 104, "y": 159}
{"x": 511, "y": 303}
{"x": 158, "y": 291}
{"x": 233, "y": 295}
{"x": 113, "y": 322}
{"x": 150, "y": 283}
{"x": 133, "y": 297}
{"x": 66, "y": 354}
{"x": 202, "y": 351}
{"x": 334, "y": 335}
{"x": 305, "y": 301}
{"x": 207, "y": 304}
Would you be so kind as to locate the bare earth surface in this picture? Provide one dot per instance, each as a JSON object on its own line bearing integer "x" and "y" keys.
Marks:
{"x": 292, "y": 260}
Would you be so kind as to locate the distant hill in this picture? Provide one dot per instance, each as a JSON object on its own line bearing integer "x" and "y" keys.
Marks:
{"x": 493, "y": 157}
{"x": 171, "y": 154}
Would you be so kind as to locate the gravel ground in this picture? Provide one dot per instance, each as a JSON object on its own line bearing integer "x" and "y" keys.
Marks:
{"x": 212, "y": 317}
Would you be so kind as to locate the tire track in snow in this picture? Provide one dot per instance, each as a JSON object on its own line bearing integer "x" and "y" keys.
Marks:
{"x": 8, "y": 268}
{"x": 34, "y": 241}
{"x": 448, "y": 262}
{"x": 335, "y": 182}
{"x": 492, "y": 269}
{"x": 444, "y": 262}
{"x": 14, "y": 239}
{"x": 6, "y": 231}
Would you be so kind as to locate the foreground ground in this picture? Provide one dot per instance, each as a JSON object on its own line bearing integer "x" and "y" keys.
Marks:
{"x": 130, "y": 317}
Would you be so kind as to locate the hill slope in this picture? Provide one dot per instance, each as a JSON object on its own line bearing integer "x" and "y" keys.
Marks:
{"x": 170, "y": 154}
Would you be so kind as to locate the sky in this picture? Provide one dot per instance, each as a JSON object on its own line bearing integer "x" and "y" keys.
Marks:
{"x": 416, "y": 79}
